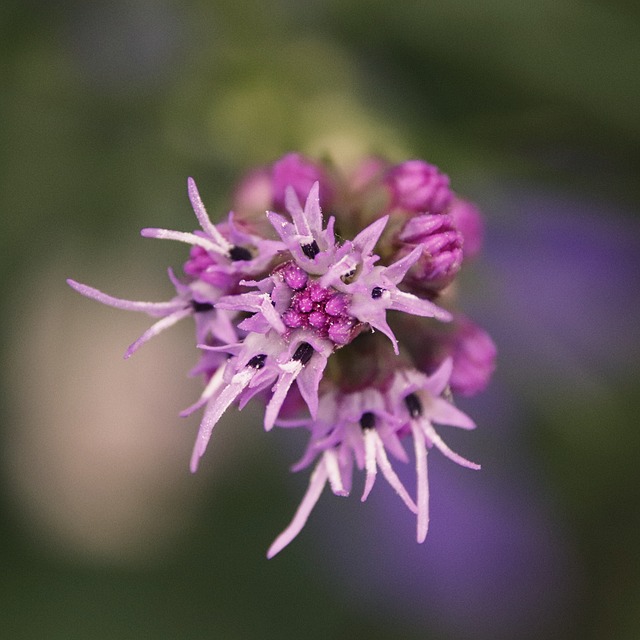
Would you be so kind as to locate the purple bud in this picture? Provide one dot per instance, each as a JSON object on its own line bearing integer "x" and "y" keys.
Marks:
{"x": 293, "y": 319}
{"x": 317, "y": 293}
{"x": 419, "y": 187}
{"x": 441, "y": 244}
{"x": 340, "y": 331}
{"x": 304, "y": 303}
{"x": 255, "y": 192}
{"x": 317, "y": 319}
{"x": 294, "y": 276}
{"x": 336, "y": 304}
{"x": 300, "y": 173}
{"x": 474, "y": 358}
{"x": 368, "y": 171}
{"x": 468, "y": 220}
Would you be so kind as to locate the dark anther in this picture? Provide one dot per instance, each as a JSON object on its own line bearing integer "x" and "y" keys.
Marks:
{"x": 311, "y": 250}
{"x": 303, "y": 353}
{"x": 414, "y": 405}
{"x": 200, "y": 307}
{"x": 376, "y": 292}
{"x": 348, "y": 277}
{"x": 239, "y": 253}
{"x": 257, "y": 362}
{"x": 368, "y": 420}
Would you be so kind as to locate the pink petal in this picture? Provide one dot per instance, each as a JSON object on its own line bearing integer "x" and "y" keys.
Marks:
{"x": 391, "y": 477}
{"x": 151, "y": 308}
{"x": 333, "y": 471}
{"x": 408, "y": 303}
{"x": 433, "y": 437}
{"x": 155, "y": 329}
{"x": 215, "y": 410}
{"x": 422, "y": 481}
{"x": 443, "y": 412}
{"x": 366, "y": 240}
{"x": 280, "y": 390}
{"x": 369, "y": 461}
{"x": 203, "y": 217}
{"x": 316, "y": 485}
{"x": 183, "y": 236}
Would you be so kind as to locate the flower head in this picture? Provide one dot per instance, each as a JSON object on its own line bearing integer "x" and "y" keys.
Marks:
{"x": 345, "y": 324}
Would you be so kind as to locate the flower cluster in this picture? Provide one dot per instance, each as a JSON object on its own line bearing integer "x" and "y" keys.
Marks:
{"x": 333, "y": 322}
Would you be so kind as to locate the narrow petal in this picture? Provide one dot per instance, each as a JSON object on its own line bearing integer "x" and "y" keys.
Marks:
{"x": 316, "y": 485}
{"x": 212, "y": 386}
{"x": 203, "y": 217}
{"x": 293, "y": 206}
{"x": 433, "y": 437}
{"x": 151, "y": 308}
{"x": 283, "y": 228}
{"x": 309, "y": 381}
{"x": 183, "y": 236}
{"x": 157, "y": 328}
{"x": 290, "y": 372}
{"x": 312, "y": 211}
{"x": 215, "y": 410}
{"x": 391, "y": 476}
{"x": 408, "y": 303}
{"x": 380, "y": 323}
{"x": 397, "y": 271}
{"x": 333, "y": 471}
{"x": 443, "y": 412}
{"x": 254, "y": 303}
{"x": 369, "y": 461}
{"x": 366, "y": 240}
{"x": 422, "y": 481}
{"x": 439, "y": 380}
{"x": 394, "y": 446}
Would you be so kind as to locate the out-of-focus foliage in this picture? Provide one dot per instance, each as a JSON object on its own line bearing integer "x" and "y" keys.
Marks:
{"x": 107, "y": 107}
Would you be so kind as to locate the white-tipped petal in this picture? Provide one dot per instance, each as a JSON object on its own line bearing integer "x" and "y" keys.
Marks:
{"x": 437, "y": 441}
{"x": 188, "y": 238}
{"x": 391, "y": 476}
{"x": 290, "y": 371}
{"x": 150, "y": 308}
{"x": 215, "y": 410}
{"x": 203, "y": 217}
{"x": 316, "y": 485}
{"x": 333, "y": 472}
{"x": 422, "y": 482}
{"x": 369, "y": 461}
{"x": 157, "y": 328}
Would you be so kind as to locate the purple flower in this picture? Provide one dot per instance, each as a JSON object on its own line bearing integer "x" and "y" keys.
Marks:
{"x": 308, "y": 307}
{"x": 344, "y": 326}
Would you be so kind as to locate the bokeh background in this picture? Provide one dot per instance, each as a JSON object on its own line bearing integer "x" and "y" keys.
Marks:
{"x": 105, "y": 109}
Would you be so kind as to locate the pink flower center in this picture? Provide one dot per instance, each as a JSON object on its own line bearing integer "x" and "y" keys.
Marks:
{"x": 324, "y": 310}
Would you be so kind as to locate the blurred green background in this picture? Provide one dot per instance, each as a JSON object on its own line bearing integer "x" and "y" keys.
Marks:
{"x": 105, "y": 109}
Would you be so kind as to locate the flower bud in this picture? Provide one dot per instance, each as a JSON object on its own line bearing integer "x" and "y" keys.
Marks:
{"x": 441, "y": 244}
{"x": 254, "y": 194}
{"x": 468, "y": 220}
{"x": 474, "y": 357}
{"x": 300, "y": 173}
{"x": 419, "y": 187}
